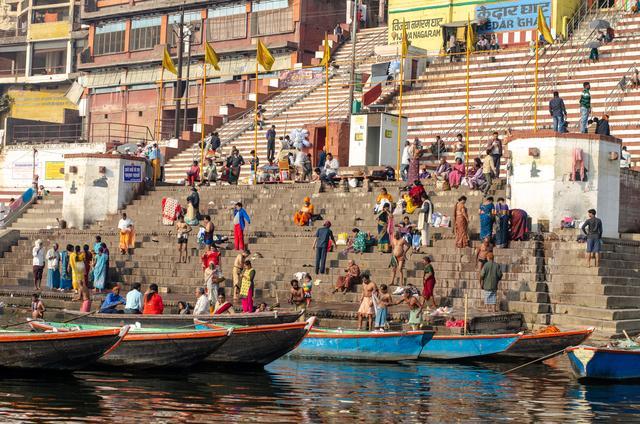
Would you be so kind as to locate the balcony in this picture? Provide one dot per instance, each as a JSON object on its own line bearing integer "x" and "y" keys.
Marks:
{"x": 13, "y": 36}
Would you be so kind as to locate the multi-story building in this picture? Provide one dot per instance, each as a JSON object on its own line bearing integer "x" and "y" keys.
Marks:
{"x": 121, "y": 65}
{"x": 38, "y": 42}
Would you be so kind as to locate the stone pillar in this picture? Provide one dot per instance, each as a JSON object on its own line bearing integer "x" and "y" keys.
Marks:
{"x": 96, "y": 185}
{"x": 544, "y": 183}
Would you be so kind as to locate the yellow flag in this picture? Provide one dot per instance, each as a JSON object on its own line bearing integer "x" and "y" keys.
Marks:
{"x": 470, "y": 36}
{"x": 543, "y": 28}
{"x": 405, "y": 41}
{"x": 167, "y": 63}
{"x": 210, "y": 56}
{"x": 264, "y": 56}
{"x": 326, "y": 57}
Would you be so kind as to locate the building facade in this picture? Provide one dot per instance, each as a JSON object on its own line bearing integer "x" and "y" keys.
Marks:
{"x": 121, "y": 69}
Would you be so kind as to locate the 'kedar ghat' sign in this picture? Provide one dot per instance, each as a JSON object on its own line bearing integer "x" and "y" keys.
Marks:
{"x": 424, "y": 18}
{"x": 512, "y": 16}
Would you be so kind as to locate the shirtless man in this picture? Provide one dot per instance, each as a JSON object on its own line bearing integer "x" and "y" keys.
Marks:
{"x": 366, "y": 302}
{"x": 296, "y": 297}
{"x": 399, "y": 250}
{"x": 481, "y": 255}
{"x": 182, "y": 229}
{"x": 238, "y": 267}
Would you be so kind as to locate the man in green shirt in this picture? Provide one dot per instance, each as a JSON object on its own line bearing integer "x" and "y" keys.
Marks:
{"x": 490, "y": 275}
{"x": 585, "y": 106}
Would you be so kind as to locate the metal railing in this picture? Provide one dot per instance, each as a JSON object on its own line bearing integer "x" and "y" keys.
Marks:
{"x": 107, "y": 132}
{"x": 617, "y": 93}
{"x": 490, "y": 106}
{"x": 46, "y": 133}
{"x": 17, "y": 207}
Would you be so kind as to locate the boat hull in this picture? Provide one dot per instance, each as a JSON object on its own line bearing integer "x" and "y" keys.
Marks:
{"x": 535, "y": 346}
{"x": 154, "y": 349}
{"x": 363, "y": 346}
{"x": 466, "y": 347}
{"x": 604, "y": 364}
{"x": 260, "y": 345}
{"x": 56, "y": 351}
{"x": 175, "y": 321}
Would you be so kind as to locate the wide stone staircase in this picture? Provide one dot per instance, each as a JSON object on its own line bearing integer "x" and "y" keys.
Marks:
{"x": 545, "y": 278}
{"x": 502, "y": 87}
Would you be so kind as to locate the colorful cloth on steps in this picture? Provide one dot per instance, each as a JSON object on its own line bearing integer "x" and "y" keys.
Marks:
{"x": 170, "y": 210}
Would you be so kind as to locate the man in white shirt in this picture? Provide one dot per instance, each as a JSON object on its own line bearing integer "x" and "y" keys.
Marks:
{"x": 53, "y": 267}
{"x": 202, "y": 303}
{"x": 404, "y": 162}
{"x": 38, "y": 263}
{"x": 625, "y": 158}
{"x": 133, "y": 304}
{"x": 299, "y": 163}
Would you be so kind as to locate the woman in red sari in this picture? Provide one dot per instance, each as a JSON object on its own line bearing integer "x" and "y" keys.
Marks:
{"x": 152, "y": 301}
{"x": 457, "y": 173}
{"x": 519, "y": 224}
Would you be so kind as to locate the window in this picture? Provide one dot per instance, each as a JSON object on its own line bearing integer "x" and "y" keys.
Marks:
{"x": 45, "y": 16}
{"x": 109, "y": 38}
{"x": 193, "y": 20}
{"x": 227, "y": 22}
{"x": 260, "y": 6}
{"x": 272, "y": 21}
{"x": 145, "y": 33}
{"x": 49, "y": 62}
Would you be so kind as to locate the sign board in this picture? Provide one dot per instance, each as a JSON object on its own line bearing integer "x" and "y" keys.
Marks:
{"x": 54, "y": 170}
{"x": 132, "y": 173}
{"x": 512, "y": 16}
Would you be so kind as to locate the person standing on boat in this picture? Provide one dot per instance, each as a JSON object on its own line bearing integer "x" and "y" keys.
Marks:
{"x": 53, "y": 268}
{"x": 247, "y": 287}
{"x": 133, "y": 303}
{"x": 38, "y": 263}
{"x": 240, "y": 220}
{"x": 383, "y": 303}
{"x": 153, "y": 304}
{"x": 202, "y": 302}
{"x": 111, "y": 302}
{"x": 366, "y": 309}
{"x": 490, "y": 275}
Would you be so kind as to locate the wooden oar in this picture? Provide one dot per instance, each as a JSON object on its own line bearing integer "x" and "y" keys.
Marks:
{"x": 63, "y": 322}
{"x": 533, "y": 362}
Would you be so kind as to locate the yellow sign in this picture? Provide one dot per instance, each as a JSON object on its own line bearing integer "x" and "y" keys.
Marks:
{"x": 54, "y": 170}
{"x": 44, "y": 105}
{"x": 359, "y": 136}
{"x": 422, "y": 21}
{"x": 49, "y": 30}
{"x": 388, "y": 133}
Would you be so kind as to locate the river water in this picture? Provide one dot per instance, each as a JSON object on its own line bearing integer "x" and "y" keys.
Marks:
{"x": 294, "y": 391}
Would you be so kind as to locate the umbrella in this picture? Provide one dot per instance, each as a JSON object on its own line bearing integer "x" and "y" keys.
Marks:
{"x": 594, "y": 44}
{"x": 599, "y": 24}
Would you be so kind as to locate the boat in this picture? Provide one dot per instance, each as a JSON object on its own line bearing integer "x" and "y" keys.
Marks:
{"x": 57, "y": 350}
{"x": 538, "y": 345}
{"x": 596, "y": 363}
{"x": 183, "y": 321}
{"x": 391, "y": 346}
{"x": 457, "y": 347}
{"x": 144, "y": 348}
{"x": 259, "y": 345}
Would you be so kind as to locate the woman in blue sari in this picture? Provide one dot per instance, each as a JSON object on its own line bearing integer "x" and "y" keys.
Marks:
{"x": 100, "y": 270}
{"x": 383, "y": 229}
{"x": 65, "y": 270}
{"x": 487, "y": 211}
{"x": 502, "y": 214}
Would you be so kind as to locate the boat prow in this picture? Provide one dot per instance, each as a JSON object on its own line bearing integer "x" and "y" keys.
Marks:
{"x": 594, "y": 363}
{"x": 538, "y": 345}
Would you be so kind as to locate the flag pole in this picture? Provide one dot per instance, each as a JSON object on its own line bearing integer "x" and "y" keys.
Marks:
{"x": 160, "y": 101}
{"x": 326, "y": 97}
{"x": 202, "y": 117}
{"x": 398, "y": 173}
{"x": 255, "y": 128}
{"x": 535, "y": 95}
{"x": 467, "y": 120}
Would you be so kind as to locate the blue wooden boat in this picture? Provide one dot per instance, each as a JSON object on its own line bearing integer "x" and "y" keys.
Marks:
{"x": 467, "y": 347}
{"x": 390, "y": 346}
{"x": 605, "y": 363}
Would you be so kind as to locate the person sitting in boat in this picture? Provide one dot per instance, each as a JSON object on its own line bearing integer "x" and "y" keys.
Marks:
{"x": 37, "y": 307}
{"x": 134, "y": 300}
{"x": 202, "y": 302}
{"x": 152, "y": 301}
{"x": 304, "y": 214}
{"x": 263, "y": 307}
{"x": 222, "y": 306}
{"x": 184, "y": 308}
{"x": 111, "y": 302}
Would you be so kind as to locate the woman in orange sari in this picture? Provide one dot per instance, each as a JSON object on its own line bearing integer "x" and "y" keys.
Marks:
{"x": 461, "y": 222}
{"x": 303, "y": 216}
